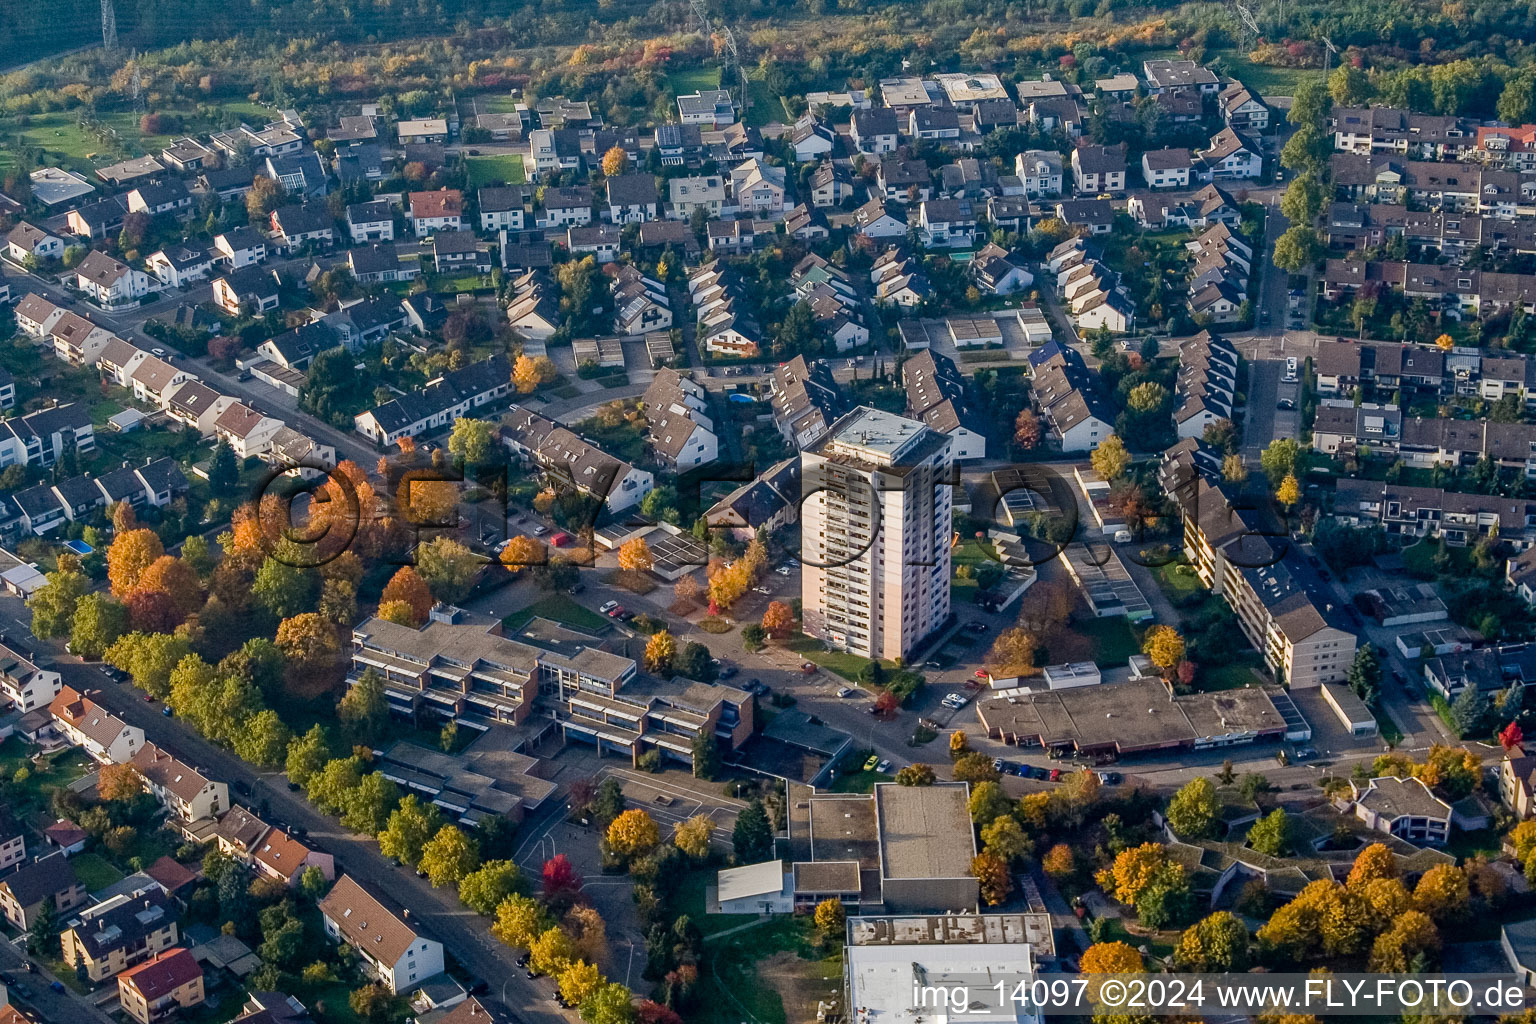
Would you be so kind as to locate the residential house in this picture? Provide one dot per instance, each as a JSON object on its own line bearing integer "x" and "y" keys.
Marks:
{"x": 98, "y": 220}
{"x": 904, "y": 181}
{"x": 109, "y": 283}
{"x": 392, "y": 949}
{"x": 126, "y": 930}
{"x": 947, "y": 223}
{"x": 1231, "y": 156}
{"x": 423, "y": 130}
{"x": 505, "y": 208}
{"x": 811, "y": 138}
{"x": 567, "y": 206}
{"x": 167, "y": 198}
{"x": 188, "y": 155}
{"x": 573, "y": 462}
{"x": 937, "y": 396}
{"x": 879, "y": 218}
{"x": 154, "y": 379}
{"x": 874, "y": 131}
{"x": 196, "y": 405}
{"x": 371, "y": 222}
{"x": 632, "y": 198}
{"x": 1176, "y": 76}
{"x": 297, "y": 224}
{"x": 711, "y": 107}
{"x": 246, "y": 430}
{"x": 830, "y": 184}
{"x": 49, "y": 879}
{"x": 705, "y": 192}
{"x": 154, "y": 990}
{"x": 533, "y": 310}
{"x": 681, "y": 432}
{"x": 1242, "y": 110}
{"x": 1167, "y": 168}
{"x": 1097, "y": 169}
{"x": 181, "y": 789}
{"x": 460, "y": 252}
{"x": 26, "y": 686}
{"x": 284, "y": 858}
{"x": 93, "y": 728}
{"x": 300, "y": 174}
{"x": 181, "y": 265}
{"x": 380, "y": 264}
{"x": 239, "y": 247}
{"x": 438, "y": 402}
{"x": 249, "y": 288}
{"x": 25, "y": 241}
{"x": 435, "y": 211}
{"x": 757, "y": 188}
{"x": 1040, "y": 171}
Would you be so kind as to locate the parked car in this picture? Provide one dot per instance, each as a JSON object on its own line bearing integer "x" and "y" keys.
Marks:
{"x": 606, "y": 607}
{"x": 883, "y": 767}
{"x": 57, "y": 986}
{"x": 540, "y": 530}
{"x": 872, "y": 763}
{"x": 846, "y": 691}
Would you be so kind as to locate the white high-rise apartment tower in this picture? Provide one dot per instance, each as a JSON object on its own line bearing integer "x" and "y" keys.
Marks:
{"x": 875, "y": 525}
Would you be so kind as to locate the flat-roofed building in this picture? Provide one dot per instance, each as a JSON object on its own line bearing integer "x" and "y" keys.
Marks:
{"x": 926, "y": 846}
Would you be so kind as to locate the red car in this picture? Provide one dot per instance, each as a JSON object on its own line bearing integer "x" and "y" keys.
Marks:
{"x": 617, "y": 612}
{"x": 1055, "y": 774}
{"x": 560, "y": 540}
{"x": 981, "y": 673}
{"x": 149, "y": 698}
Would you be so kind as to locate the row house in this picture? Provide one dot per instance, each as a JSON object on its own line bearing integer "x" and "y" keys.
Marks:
{"x": 533, "y": 310}
{"x": 1207, "y": 385}
{"x": 1242, "y": 110}
{"x": 679, "y": 428}
{"x": 806, "y": 400}
{"x": 24, "y": 891}
{"x": 298, "y": 224}
{"x": 1364, "y": 226}
{"x": 1368, "y": 130}
{"x": 40, "y": 438}
{"x": 1433, "y": 512}
{"x": 1340, "y": 366}
{"x": 1206, "y": 206}
{"x": 569, "y": 460}
{"x": 899, "y": 279}
{"x": 437, "y": 403}
{"x": 1218, "y": 281}
{"x": 1069, "y": 398}
{"x": 1510, "y": 148}
{"x": 1342, "y": 428}
{"x": 1456, "y": 187}
{"x": 937, "y": 396}
{"x": 640, "y": 304}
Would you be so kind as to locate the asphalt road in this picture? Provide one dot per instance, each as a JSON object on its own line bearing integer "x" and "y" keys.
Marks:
{"x": 465, "y": 934}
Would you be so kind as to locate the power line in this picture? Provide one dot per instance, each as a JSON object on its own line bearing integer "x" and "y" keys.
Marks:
{"x": 108, "y": 26}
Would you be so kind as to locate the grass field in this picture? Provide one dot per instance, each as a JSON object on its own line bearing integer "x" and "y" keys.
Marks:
{"x": 683, "y": 83}
{"x": 844, "y": 664}
{"x": 766, "y": 108}
{"x": 488, "y": 170}
{"x": 497, "y": 104}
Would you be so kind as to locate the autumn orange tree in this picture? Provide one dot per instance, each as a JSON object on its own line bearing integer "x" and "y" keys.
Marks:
{"x": 660, "y": 651}
{"x": 633, "y": 833}
{"x": 778, "y": 619}
{"x": 407, "y": 587}
{"x": 991, "y": 871}
{"x": 119, "y": 782}
{"x": 311, "y": 645}
{"x": 177, "y": 580}
{"x": 128, "y": 556}
{"x": 1164, "y": 646}
{"x": 615, "y": 161}
{"x": 529, "y": 372}
{"x": 635, "y": 556}
{"x": 521, "y": 552}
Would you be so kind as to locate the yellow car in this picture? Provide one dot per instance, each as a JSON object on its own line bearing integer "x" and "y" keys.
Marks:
{"x": 869, "y": 765}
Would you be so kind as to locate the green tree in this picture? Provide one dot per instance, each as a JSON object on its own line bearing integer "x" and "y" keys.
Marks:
{"x": 472, "y": 441}
{"x": 1297, "y": 249}
{"x": 1217, "y": 944}
{"x": 312, "y": 884}
{"x": 988, "y": 802}
{"x": 367, "y": 806}
{"x": 449, "y": 856}
{"x": 1271, "y": 834}
{"x": 1468, "y": 711}
{"x": 264, "y": 739}
{"x": 706, "y": 757}
{"x": 150, "y": 658}
{"x": 1365, "y": 674}
{"x": 1279, "y": 458}
{"x": 752, "y": 837}
{"x": 484, "y": 889}
{"x": 223, "y": 470}
{"x": 610, "y": 1003}
{"x": 284, "y": 589}
{"x": 1005, "y": 837}
{"x": 448, "y": 567}
{"x": 1303, "y": 199}
{"x": 53, "y": 604}
{"x": 329, "y": 788}
{"x": 364, "y": 710}
{"x": 411, "y": 825}
{"x": 1349, "y": 86}
{"x": 97, "y": 624}
{"x": 1193, "y": 809}
{"x": 307, "y": 755}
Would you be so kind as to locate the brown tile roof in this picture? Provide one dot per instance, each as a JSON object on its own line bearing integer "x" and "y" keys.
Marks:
{"x": 165, "y": 771}
{"x": 163, "y": 974}
{"x": 80, "y": 712}
{"x": 281, "y": 853}
{"x": 365, "y": 923}
{"x": 447, "y": 202}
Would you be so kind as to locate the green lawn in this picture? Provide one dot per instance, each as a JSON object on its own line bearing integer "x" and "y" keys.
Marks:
{"x": 558, "y": 608}
{"x": 52, "y": 772}
{"x": 1178, "y": 579}
{"x": 1112, "y": 639}
{"x": 684, "y": 83}
{"x": 766, "y": 108}
{"x": 498, "y": 103}
{"x": 1231, "y": 676}
{"x": 844, "y": 664}
{"x": 732, "y": 988}
{"x": 94, "y": 872}
{"x": 690, "y": 901}
{"x": 1267, "y": 81}
{"x": 488, "y": 170}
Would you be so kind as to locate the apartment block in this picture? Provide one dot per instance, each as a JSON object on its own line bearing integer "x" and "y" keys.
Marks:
{"x": 875, "y": 533}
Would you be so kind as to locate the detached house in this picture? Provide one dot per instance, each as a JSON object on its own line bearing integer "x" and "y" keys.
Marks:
{"x": 875, "y": 131}
{"x": 284, "y": 858}
{"x": 632, "y": 198}
{"x": 1097, "y": 169}
{"x": 432, "y": 211}
{"x": 181, "y": 265}
{"x": 168, "y": 197}
{"x": 1040, "y": 172}
{"x": 1167, "y": 168}
{"x": 110, "y": 283}
{"x": 811, "y": 138}
{"x": 296, "y": 225}
{"x": 371, "y": 222}
{"x": 1232, "y": 156}
{"x": 245, "y": 430}
{"x": 392, "y": 949}
{"x": 26, "y": 240}
{"x": 158, "y": 987}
